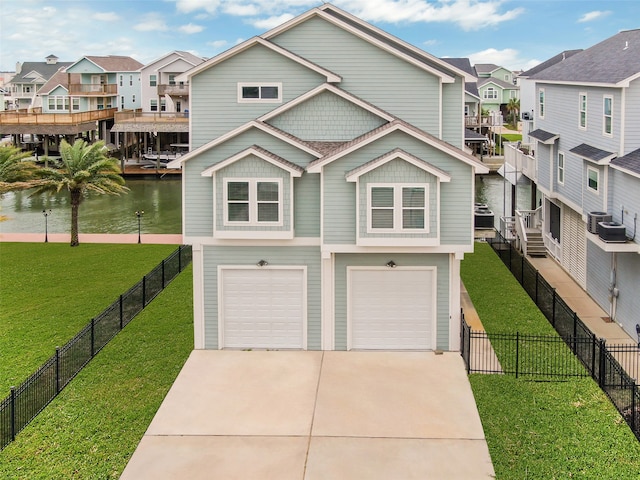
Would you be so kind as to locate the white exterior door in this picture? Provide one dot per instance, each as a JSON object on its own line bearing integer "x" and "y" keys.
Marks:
{"x": 392, "y": 309}
{"x": 262, "y": 308}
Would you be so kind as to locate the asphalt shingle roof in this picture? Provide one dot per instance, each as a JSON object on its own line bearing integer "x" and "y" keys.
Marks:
{"x": 590, "y": 153}
{"x": 630, "y": 161}
{"x": 43, "y": 68}
{"x": 561, "y": 57}
{"x": 611, "y": 61}
{"x": 542, "y": 135}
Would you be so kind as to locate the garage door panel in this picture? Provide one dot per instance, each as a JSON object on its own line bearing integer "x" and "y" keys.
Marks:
{"x": 392, "y": 309}
{"x": 263, "y": 308}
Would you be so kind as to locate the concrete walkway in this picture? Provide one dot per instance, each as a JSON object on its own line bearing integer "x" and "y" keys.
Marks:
{"x": 580, "y": 302}
{"x": 150, "y": 238}
{"x": 316, "y": 415}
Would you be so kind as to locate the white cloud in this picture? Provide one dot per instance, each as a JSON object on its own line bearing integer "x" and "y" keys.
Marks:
{"x": 151, "y": 22}
{"x": 507, "y": 58}
{"x": 106, "y": 16}
{"x": 271, "y": 22}
{"x": 218, "y": 44}
{"x": 590, "y": 16}
{"x": 191, "y": 28}
{"x": 188, "y": 6}
{"x": 430, "y": 43}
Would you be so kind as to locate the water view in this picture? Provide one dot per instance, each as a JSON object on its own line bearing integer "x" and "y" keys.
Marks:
{"x": 160, "y": 199}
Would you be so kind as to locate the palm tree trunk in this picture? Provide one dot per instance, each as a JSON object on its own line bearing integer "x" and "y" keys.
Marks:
{"x": 76, "y": 196}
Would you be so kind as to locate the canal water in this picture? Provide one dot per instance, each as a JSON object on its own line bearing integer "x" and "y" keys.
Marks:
{"x": 161, "y": 201}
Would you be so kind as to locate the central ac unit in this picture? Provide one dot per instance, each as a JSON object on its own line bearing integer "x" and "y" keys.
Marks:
{"x": 526, "y": 116}
{"x": 593, "y": 218}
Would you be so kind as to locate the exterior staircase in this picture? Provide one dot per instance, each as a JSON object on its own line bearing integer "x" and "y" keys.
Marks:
{"x": 535, "y": 244}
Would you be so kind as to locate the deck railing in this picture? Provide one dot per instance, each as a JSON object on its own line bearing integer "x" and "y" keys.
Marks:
{"x": 24, "y": 118}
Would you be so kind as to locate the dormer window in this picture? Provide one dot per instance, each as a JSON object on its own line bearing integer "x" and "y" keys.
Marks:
{"x": 253, "y": 201}
{"x": 259, "y": 92}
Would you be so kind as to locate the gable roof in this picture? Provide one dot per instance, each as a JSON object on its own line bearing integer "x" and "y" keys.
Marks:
{"x": 499, "y": 83}
{"x": 177, "y": 55}
{"x": 43, "y": 69}
{"x": 471, "y": 87}
{"x": 486, "y": 68}
{"x": 112, "y": 63}
{"x": 614, "y": 61}
{"x": 327, "y": 88}
{"x": 629, "y": 163}
{"x": 59, "y": 79}
{"x": 266, "y": 155}
{"x": 396, "y": 125}
{"x": 357, "y": 172}
{"x": 331, "y": 77}
{"x": 377, "y": 37}
{"x": 561, "y": 57}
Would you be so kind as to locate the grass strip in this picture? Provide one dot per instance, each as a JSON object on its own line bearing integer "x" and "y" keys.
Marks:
{"x": 49, "y": 291}
{"x": 93, "y": 427}
{"x": 559, "y": 429}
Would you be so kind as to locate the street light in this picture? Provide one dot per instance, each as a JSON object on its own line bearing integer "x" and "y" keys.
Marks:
{"x": 139, "y": 214}
{"x": 46, "y": 226}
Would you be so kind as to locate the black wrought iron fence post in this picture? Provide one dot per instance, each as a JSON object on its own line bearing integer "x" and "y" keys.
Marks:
{"x": 602, "y": 368}
{"x": 575, "y": 331}
{"x": 57, "y": 370}
{"x": 593, "y": 356}
{"x": 517, "y": 351}
{"x": 553, "y": 308}
{"x": 93, "y": 327}
{"x": 13, "y": 413}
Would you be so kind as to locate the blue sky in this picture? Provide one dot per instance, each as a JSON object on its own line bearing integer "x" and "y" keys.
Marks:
{"x": 514, "y": 34}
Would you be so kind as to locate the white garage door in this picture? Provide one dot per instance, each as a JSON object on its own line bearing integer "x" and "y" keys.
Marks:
{"x": 392, "y": 309}
{"x": 262, "y": 308}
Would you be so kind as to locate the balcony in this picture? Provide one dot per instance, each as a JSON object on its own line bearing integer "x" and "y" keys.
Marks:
{"x": 91, "y": 89}
{"x": 23, "y": 118}
{"x": 175, "y": 90}
{"x": 477, "y": 121}
{"x": 521, "y": 157}
{"x": 138, "y": 121}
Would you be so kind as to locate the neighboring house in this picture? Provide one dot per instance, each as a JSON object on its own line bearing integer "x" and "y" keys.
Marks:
{"x": 110, "y": 81}
{"x": 528, "y": 90}
{"x": 584, "y": 158}
{"x": 28, "y": 79}
{"x": 496, "y": 87}
{"x": 326, "y": 195}
{"x": 162, "y": 121}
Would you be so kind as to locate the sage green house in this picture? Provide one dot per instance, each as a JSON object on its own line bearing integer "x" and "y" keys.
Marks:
{"x": 326, "y": 193}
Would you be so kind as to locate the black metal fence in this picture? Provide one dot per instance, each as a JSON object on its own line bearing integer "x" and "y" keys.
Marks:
{"x": 598, "y": 359}
{"x": 36, "y": 392}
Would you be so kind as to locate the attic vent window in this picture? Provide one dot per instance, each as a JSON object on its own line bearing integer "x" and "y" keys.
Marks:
{"x": 259, "y": 92}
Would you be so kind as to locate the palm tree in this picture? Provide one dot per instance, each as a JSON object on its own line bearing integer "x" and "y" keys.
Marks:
{"x": 85, "y": 168}
{"x": 513, "y": 107}
{"x": 15, "y": 172}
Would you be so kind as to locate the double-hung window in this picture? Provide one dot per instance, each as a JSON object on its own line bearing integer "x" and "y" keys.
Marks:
{"x": 541, "y": 103}
{"x": 253, "y": 202}
{"x": 607, "y": 115}
{"x": 593, "y": 177}
{"x": 153, "y": 105}
{"x": 561, "y": 168}
{"x": 398, "y": 208}
{"x": 259, "y": 92}
{"x": 583, "y": 111}
{"x": 153, "y": 80}
{"x": 490, "y": 93}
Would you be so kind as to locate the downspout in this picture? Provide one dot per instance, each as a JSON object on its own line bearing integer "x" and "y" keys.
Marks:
{"x": 613, "y": 289}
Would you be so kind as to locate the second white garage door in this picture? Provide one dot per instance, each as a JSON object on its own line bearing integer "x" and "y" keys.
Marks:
{"x": 392, "y": 309}
{"x": 262, "y": 308}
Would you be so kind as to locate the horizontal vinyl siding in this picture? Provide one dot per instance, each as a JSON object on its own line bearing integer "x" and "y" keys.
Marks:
{"x": 306, "y": 190}
{"x": 214, "y": 92}
{"x": 198, "y": 196}
{"x": 592, "y": 201}
{"x": 453, "y": 115}
{"x": 342, "y": 261}
{"x": 327, "y": 117}
{"x": 545, "y": 165}
{"x": 632, "y": 118}
{"x": 455, "y": 200}
{"x": 626, "y": 192}
{"x": 369, "y": 72}
{"x": 305, "y": 256}
{"x": 598, "y": 275}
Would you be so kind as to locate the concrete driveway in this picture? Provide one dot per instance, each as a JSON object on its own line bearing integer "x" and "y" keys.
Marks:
{"x": 316, "y": 415}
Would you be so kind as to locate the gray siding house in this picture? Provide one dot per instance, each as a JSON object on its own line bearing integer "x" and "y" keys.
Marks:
{"x": 326, "y": 193}
{"x": 585, "y": 138}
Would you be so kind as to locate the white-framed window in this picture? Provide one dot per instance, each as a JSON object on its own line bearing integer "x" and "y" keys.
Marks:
{"x": 153, "y": 80}
{"x": 593, "y": 178}
{"x": 490, "y": 93}
{"x": 153, "y": 105}
{"x": 163, "y": 104}
{"x": 172, "y": 79}
{"x": 397, "y": 208}
{"x": 121, "y": 79}
{"x": 582, "y": 119}
{"x": 507, "y": 77}
{"x": 607, "y": 115}
{"x": 253, "y": 202}
{"x": 541, "y": 103}
{"x": 133, "y": 98}
{"x": 561, "y": 168}
{"x": 130, "y": 80}
{"x": 122, "y": 102}
{"x": 58, "y": 103}
{"x": 259, "y": 92}
{"x": 75, "y": 103}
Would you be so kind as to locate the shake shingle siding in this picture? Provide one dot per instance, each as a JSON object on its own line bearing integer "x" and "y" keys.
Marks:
{"x": 217, "y": 110}
{"x": 368, "y": 72}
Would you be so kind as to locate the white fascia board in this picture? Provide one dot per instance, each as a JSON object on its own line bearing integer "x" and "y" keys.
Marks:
{"x": 165, "y": 65}
{"x": 578, "y": 83}
{"x": 87, "y": 59}
{"x": 330, "y": 76}
{"x": 435, "y": 171}
{"x": 352, "y": 248}
{"x": 237, "y": 131}
{"x": 326, "y": 88}
{"x": 454, "y": 152}
{"x": 294, "y": 172}
{"x": 624, "y": 170}
{"x": 253, "y": 242}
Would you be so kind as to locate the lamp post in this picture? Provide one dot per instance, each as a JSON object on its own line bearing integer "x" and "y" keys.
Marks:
{"x": 46, "y": 225}
{"x": 139, "y": 214}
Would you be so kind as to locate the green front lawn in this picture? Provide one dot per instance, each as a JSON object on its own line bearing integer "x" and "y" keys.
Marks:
{"x": 541, "y": 430}
{"x": 49, "y": 291}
